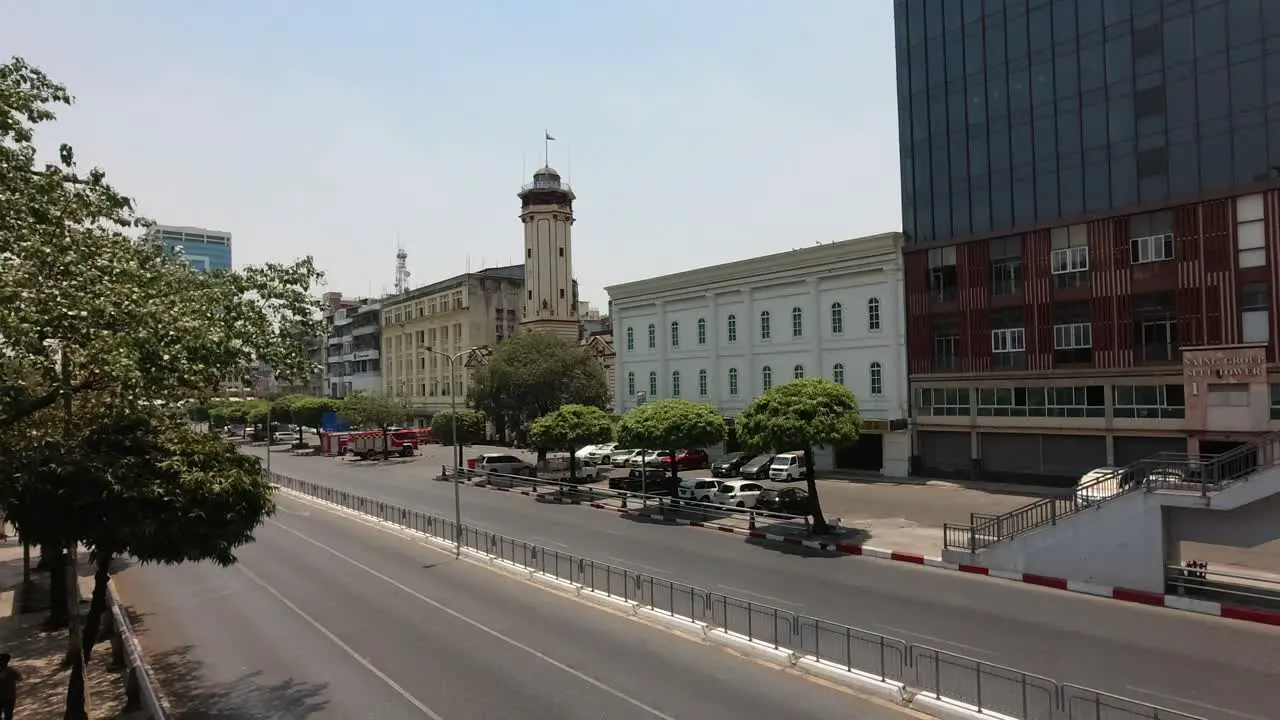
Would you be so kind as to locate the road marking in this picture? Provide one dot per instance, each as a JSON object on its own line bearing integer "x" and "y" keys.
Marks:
{"x": 284, "y": 509}
{"x": 770, "y": 598}
{"x": 1194, "y": 703}
{"x": 941, "y": 641}
{"x": 545, "y": 541}
{"x": 625, "y": 561}
{"x": 480, "y": 626}
{"x": 338, "y": 641}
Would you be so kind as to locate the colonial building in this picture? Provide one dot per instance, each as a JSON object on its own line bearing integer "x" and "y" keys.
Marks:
{"x": 724, "y": 334}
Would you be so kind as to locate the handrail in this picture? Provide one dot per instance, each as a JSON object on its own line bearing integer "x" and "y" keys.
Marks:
{"x": 1162, "y": 471}
{"x": 141, "y": 686}
{"x": 915, "y": 670}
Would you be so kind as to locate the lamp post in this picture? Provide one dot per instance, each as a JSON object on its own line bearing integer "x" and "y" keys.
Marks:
{"x": 457, "y": 447}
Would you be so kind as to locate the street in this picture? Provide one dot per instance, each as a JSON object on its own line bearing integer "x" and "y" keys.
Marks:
{"x": 1198, "y": 664}
{"x": 328, "y": 617}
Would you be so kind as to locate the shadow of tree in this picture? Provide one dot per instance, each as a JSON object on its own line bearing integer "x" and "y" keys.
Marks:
{"x": 193, "y": 697}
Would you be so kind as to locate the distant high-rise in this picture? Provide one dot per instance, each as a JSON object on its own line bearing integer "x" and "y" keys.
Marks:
{"x": 203, "y": 249}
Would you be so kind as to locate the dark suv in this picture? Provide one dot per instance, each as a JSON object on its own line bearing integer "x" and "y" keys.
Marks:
{"x": 730, "y": 465}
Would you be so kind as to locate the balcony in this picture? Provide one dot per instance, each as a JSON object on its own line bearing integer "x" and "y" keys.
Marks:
{"x": 364, "y": 330}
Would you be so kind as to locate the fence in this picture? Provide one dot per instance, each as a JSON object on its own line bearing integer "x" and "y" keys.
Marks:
{"x": 917, "y": 670}
{"x": 140, "y": 686}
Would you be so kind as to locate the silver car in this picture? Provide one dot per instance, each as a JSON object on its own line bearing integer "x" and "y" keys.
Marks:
{"x": 497, "y": 464}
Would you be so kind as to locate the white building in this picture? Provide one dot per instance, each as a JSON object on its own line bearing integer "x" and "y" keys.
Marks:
{"x": 724, "y": 334}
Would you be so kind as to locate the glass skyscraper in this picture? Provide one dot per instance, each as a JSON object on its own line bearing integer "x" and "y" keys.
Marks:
{"x": 203, "y": 249}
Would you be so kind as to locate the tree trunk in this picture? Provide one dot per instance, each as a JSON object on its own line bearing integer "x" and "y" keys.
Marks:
{"x": 673, "y": 482}
{"x": 573, "y": 464}
{"x": 815, "y": 507}
{"x": 77, "y": 688}
{"x": 97, "y": 606}
{"x": 56, "y": 563}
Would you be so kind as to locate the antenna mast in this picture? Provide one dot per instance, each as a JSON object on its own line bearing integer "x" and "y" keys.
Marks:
{"x": 402, "y": 270}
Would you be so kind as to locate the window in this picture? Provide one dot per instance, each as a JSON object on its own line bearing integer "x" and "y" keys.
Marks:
{"x": 946, "y": 344}
{"x": 1072, "y": 336}
{"x": 1249, "y": 232}
{"x": 1072, "y": 333}
{"x": 653, "y": 384}
{"x": 797, "y": 322}
{"x": 1006, "y": 265}
{"x": 675, "y": 383}
{"x": 942, "y": 274}
{"x": 702, "y": 383}
{"x": 1150, "y": 237}
{"x": 1069, "y": 258}
{"x": 766, "y": 378}
{"x": 631, "y": 384}
{"x": 877, "y": 379}
{"x": 733, "y": 381}
{"x": 873, "y": 314}
{"x": 561, "y": 293}
{"x": 702, "y": 331}
{"x": 675, "y": 334}
{"x": 1149, "y": 401}
{"x": 1008, "y": 340}
{"x": 1156, "y": 325}
{"x": 943, "y": 402}
{"x": 1040, "y": 401}
{"x": 837, "y": 374}
{"x": 797, "y": 372}
{"x": 731, "y": 328}
{"x": 653, "y": 336}
{"x": 837, "y": 319}
{"x": 631, "y": 338}
{"x": 764, "y": 325}
{"x": 1227, "y": 395}
{"x": 1255, "y": 318}
{"x": 561, "y": 255}
{"x": 1275, "y": 401}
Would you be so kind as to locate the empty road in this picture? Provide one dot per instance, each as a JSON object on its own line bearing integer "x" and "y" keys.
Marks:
{"x": 327, "y": 617}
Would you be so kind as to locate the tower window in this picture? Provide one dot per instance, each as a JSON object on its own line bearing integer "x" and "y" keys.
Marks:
{"x": 631, "y": 340}
{"x": 528, "y": 253}
{"x": 561, "y": 293}
{"x": 561, "y": 252}
{"x": 530, "y": 294}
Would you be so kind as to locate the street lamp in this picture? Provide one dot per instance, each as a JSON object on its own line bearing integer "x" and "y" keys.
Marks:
{"x": 457, "y": 447}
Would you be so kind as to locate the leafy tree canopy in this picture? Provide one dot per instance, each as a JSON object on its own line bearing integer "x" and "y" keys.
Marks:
{"x": 363, "y": 409}
{"x": 310, "y": 411}
{"x": 671, "y": 425}
{"x": 471, "y": 426}
{"x": 571, "y": 428}
{"x": 800, "y": 414}
{"x": 535, "y": 373}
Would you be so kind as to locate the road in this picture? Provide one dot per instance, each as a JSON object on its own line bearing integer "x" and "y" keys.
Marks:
{"x": 1198, "y": 664}
{"x": 328, "y": 617}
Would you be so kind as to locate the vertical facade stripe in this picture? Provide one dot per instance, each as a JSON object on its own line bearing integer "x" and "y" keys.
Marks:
{"x": 1271, "y": 228}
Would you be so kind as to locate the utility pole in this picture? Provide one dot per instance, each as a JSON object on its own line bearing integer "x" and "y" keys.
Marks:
{"x": 457, "y": 447}
{"x": 77, "y": 700}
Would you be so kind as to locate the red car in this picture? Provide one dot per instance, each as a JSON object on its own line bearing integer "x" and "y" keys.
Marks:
{"x": 687, "y": 460}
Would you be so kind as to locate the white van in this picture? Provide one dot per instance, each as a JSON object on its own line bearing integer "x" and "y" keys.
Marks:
{"x": 787, "y": 467}
{"x": 1099, "y": 484}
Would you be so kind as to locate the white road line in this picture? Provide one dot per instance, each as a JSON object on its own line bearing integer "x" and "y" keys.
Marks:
{"x": 345, "y": 647}
{"x": 770, "y": 598}
{"x": 1193, "y": 703}
{"x": 544, "y": 541}
{"x": 625, "y": 561}
{"x": 941, "y": 641}
{"x": 482, "y": 627}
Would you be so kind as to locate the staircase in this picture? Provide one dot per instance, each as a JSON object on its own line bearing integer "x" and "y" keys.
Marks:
{"x": 1180, "y": 473}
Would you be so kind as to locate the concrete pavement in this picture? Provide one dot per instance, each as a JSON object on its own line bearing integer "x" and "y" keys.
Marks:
{"x": 1196, "y": 664}
{"x": 327, "y": 617}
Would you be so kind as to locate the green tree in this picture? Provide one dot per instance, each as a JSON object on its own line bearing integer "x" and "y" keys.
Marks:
{"x": 310, "y": 412}
{"x": 533, "y": 374}
{"x": 217, "y": 415}
{"x": 571, "y": 428}
{"x": 802, "y": 414}
{"x": 368, "y": 410}
{"x": 671, "y": 425}
{"x": 471, "y": 428}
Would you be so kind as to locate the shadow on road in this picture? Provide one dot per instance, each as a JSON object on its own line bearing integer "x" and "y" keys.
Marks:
{"x": 248, "y": 696}
{"x": 852, "y": 536}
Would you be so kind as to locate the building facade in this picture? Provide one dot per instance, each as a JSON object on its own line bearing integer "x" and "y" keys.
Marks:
{"x": 453, "y": 316}
{"x": 203, "y": 249}
{"x": 722, "y": 335}
{"x": 1091, "y": 199}
{"x": 353, "y": 353}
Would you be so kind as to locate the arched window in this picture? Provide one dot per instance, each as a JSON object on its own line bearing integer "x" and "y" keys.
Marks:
{"x": 764, "y": 325}
{"x": 797, "y": 372}
{"x": 631, "y": 338}
{"x": 702, "y": 331}
{"x": 675, "y": 334}
{"x": 766, "y": 378}
{"x": 731, "y": 329}
{"x": 873, "y": 314}
{"x": 733, "y": 381}
{"x": 675, "y": 383}
{"x": 653, "y": 384}
{"x": 837, "y": 319}
{"x": 702, "y": 383}
{"x": 653, "y": 336}
{"x": 797, "y": 322}
{"x": 631, "y": 384}
{"x": 837, "y": 374}
{"x": 877, "y": 379}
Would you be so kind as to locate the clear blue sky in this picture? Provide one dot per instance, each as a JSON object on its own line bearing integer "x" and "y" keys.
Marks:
{"x": 694, "y": 132}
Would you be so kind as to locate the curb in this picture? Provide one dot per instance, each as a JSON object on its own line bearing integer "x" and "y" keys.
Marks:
{"x": 1140, "y": 597}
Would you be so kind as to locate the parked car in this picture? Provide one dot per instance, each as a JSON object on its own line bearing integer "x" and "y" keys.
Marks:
{"x": 792, "y": 500}
{"x": 738, "y": 493}
{"x": 497, "y": 463}
{"x": 652, "y": 458}
{"x": 698, "y": 489}
{"x": 787, "y": 467}
{"x": 585, "y": 452}
{"x": 684, "y": 459}
{"x": 729, "y": 465}
{"x": 620, "y": 458}
{"x": 284, "y": 437}
{"x": 757, "y": 468}
{"x": 652, "y": 481}
{"x": 601, "y": 454}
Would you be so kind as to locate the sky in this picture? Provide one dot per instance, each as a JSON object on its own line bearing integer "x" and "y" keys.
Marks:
{"x": 694, "y": 132}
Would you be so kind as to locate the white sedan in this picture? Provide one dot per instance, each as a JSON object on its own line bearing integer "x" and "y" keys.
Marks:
{"x": 647, "y": 458}
{"x": 601, "y": 454}
{"x": 738, "y": 493}
{"x": 621, "y": 458}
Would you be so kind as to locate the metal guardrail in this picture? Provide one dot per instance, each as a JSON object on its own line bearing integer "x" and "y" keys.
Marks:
{"x": 1198, "y": 579}
{"x": 140, "y": 685}
{"x": 1202, "y": 474}
{"x": 918, "y": 669}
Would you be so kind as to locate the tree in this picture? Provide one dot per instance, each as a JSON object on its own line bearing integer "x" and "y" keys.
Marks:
{"x": 471, "y": 428}
{"x": 311, "y": 411}
{"x": 802, "y": 414}
{"x": 671, "y": 425}
{"x": 533, "y": 374}
{"x": 364, "y": 409}
{"x": 571, "y": 428}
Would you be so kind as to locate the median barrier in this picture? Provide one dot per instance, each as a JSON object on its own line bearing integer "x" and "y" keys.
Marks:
{"x": 936, "y": 682}
{"x": 142, "y": 693}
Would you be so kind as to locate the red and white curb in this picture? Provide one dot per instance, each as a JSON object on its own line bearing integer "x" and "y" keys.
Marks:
{"x": 1141, "y": 597}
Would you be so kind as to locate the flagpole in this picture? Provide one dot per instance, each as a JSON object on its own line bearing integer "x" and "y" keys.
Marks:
{"x": 546, "y": 148}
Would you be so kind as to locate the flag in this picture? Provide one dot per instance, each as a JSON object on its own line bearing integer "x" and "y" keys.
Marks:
{"x": 544, "y": 132}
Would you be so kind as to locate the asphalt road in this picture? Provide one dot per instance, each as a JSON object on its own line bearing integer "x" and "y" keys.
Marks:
{"x": 328, "y": 617}
{"x": 1197, "y": 664}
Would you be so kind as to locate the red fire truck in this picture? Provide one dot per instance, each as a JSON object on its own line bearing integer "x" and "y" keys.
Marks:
{"x": 369, "y": 444}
